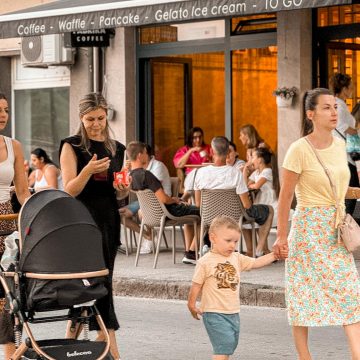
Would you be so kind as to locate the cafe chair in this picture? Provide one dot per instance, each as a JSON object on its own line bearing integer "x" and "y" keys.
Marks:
{"x": 175, "y": 186}
{"x": 181, "y": 176}
{"x": 156, "y": 215}
{"x": 223, "y": 202}
{"x": 129, "y": 234}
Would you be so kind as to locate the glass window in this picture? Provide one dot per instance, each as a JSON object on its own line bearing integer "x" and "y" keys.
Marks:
{"x": 42, "y": 119}
{"x": 157, "y": 34}
{"x": 254, "y": 74}
{"x": 338, "y": 15}
{"x": 253, "y": 24}
{"x": 181, "y": 32}
{"x": 346, "y": 61}
{"x": 208, "y": 93}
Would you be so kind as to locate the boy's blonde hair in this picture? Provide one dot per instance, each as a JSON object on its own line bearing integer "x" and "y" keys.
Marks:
{"x": 224, "y": 221}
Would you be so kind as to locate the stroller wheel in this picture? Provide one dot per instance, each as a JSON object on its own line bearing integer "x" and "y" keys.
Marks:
{"x": 31, "y": 355}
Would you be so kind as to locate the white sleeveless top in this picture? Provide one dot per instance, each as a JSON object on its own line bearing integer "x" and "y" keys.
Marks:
{"x": 7, "y": 171}
{"x": 43, "y": 183}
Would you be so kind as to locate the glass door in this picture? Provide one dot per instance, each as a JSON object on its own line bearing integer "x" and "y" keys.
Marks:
{"x": 182, "y": 91}
{"x": 345, "y": 58}
{"x": 168, "y": 106}
{"x": 340, "y": 56}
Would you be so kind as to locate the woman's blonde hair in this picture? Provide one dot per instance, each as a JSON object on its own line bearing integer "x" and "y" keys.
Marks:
{"x": 254, "y": 137}
{"x": 91, "y": 102}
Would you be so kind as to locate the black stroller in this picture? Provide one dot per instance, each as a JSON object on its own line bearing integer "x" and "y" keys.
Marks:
{"x": 60, "y": 266}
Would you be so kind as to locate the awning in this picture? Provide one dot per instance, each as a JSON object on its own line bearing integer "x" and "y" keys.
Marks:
{"x": 81, "y": 15}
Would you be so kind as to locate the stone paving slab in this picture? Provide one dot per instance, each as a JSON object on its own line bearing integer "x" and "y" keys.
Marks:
{"x": 261, "y": 287}
{"x": 172, "y": 281}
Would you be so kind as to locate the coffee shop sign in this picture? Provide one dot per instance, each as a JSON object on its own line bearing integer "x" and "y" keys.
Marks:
{"x": 159, "y": 14}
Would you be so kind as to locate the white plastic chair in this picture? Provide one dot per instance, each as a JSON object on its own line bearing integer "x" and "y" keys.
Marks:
{"x": 156, "y": 215}
{"x": 224, "y": 202}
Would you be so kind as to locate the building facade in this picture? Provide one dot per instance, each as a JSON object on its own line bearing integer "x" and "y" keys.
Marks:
{"x": 215, "y": 67}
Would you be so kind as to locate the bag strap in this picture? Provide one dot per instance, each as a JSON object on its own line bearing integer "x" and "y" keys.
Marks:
{"x": 344, "y": 137}
{"x": 327, "y": 172}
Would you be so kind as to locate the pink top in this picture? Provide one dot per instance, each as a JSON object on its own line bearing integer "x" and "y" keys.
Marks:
{"x": 194, "y": 158}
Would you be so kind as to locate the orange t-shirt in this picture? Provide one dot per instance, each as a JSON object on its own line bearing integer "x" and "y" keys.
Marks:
{"x": 220, "y": 277}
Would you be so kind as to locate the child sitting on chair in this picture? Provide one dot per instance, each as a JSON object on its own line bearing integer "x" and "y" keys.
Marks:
{"x": 217, "y": 277}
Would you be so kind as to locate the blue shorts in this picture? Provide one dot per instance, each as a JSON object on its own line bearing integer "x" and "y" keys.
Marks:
{"x": 134, "y": 207}
{"x": 223, "y": 331}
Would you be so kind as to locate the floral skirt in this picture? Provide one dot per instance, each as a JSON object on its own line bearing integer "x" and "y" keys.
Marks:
{"x": 322, "y": 282}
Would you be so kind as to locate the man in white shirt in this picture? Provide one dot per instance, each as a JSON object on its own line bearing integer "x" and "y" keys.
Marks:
{"x": 223, "y": 176}
{"x": 159, "y": 169}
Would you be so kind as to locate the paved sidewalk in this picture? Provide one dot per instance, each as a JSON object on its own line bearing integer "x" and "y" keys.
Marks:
{"x": 262, "y": 287}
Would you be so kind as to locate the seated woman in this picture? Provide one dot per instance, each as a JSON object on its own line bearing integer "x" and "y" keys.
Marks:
{"x": 265, "y": 180}
{"x": 47, "y": 175}
{"x": 251, "y": 140}
{"x": 195, "y": 152}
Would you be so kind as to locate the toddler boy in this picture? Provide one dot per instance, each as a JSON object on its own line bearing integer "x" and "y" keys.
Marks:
{"x": 217, "y": 276}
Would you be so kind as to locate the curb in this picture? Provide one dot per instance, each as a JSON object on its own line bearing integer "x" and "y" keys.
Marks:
{"x": 250, "y": 294}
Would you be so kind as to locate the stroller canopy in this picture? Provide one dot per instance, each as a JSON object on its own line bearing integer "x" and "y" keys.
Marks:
{"x": 58, "y": 235}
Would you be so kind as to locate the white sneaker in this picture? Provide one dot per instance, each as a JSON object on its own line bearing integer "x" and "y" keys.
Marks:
{"x": 259, "y": 253}
{"x": 205, "y": 249}
{"x": 146, "y": 247}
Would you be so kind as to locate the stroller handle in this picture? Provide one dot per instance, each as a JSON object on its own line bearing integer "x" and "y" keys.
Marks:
{"x": 9, "y": 217}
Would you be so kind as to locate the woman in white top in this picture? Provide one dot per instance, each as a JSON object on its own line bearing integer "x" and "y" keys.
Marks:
{"x": 11, "y": 170}
{"x": 47, "y": 175}
{"x": 266, "y": 182}
{"x": 342, "y": 89}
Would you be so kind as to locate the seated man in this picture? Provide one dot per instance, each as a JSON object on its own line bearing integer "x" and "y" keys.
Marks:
{"x": 223, "y": 176}
{"x": 232, "y": 159}
{"x": 161, "y": 172}
{"x": 142, "y": 179}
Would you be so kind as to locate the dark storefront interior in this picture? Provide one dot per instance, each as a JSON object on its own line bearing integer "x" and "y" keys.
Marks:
{"x": 224, "y": 87}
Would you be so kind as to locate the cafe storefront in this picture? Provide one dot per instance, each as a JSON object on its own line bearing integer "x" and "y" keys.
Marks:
{"x": 171, "y": 65}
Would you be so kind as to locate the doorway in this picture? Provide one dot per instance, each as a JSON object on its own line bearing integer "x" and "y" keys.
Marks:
{"x": 344, "y": 57}
{"x": 171, "y": 106}
{"x": 186, "y": 91}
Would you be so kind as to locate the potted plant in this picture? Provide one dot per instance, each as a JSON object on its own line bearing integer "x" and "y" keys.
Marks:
{"x": 284, "y": 96}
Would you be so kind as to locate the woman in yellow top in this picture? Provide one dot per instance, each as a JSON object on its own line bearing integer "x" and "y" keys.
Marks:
{"x": 322, "y": 283}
